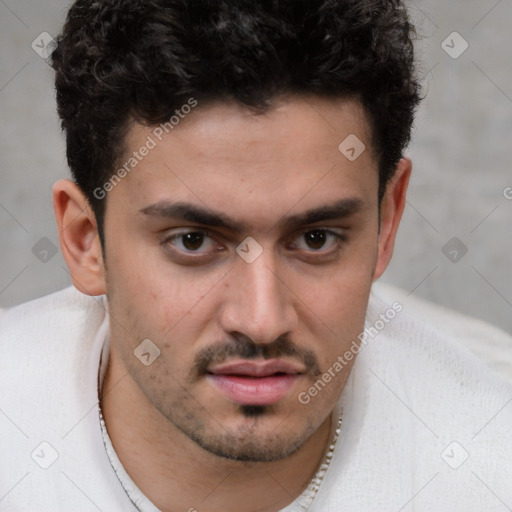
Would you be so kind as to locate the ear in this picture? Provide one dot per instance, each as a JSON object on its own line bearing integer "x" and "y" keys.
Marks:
{"x": 392, "y": 208}
{"x": 79, "y": 239}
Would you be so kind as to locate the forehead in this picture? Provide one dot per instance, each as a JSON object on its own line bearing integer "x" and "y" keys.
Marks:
{"x": 222, "y": 155}
{"x": 294, "y": 124}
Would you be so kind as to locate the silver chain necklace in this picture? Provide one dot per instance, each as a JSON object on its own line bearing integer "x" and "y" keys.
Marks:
{"x": 315, "y": 483}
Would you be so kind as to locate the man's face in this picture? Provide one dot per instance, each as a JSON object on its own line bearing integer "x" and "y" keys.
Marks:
{"x": 241, "y": 339}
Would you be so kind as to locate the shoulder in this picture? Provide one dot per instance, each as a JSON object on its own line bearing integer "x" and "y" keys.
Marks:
{"x": 424, "y": 361}
{"x": 50, "y": 351}
{"x": 43, "y": 342}
{"x": 54, "y": 315}
{"x": 63, "y": 301}
{"x": 422, "y": 411}
{"x": 491, "y": 345}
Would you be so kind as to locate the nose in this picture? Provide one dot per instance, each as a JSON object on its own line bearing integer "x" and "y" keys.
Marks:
{"x": 259, "y": 303}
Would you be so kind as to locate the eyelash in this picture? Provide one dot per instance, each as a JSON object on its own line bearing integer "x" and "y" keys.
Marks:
{"x": 167, "y": 242}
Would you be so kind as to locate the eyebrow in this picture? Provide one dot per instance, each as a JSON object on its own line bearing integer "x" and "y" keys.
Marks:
{"x": 340, "y": 209}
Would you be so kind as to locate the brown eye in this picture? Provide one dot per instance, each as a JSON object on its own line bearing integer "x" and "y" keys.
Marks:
{"x": 192, "y": 241}
{"x": 316, "y": 240}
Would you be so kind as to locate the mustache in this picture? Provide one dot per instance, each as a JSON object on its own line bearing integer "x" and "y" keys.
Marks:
{"x": 244, "y": 348}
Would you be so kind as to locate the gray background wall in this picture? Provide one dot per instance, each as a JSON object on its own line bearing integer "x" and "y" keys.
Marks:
{"x": 462, "y": 154}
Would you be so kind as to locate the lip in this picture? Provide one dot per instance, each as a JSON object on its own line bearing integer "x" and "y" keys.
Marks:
{"x": 256, "y": 368}
{"x": 255, "y": 382}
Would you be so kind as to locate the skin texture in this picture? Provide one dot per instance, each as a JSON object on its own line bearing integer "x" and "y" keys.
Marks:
{"x": 180, "y": 439}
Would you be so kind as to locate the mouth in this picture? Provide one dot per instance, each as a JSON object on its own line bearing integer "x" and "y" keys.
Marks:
{"x": 255, "y": 382}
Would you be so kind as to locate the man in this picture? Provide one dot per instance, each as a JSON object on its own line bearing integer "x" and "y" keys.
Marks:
{"x": 239, "y": 180}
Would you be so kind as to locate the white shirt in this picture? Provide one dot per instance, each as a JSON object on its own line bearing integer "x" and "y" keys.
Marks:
{"x": 426, "y": 425}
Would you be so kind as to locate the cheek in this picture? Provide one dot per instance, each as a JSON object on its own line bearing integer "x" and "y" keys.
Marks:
{"x": 336, "y": 308}
{"x": 339, "y": 294}
{"x": 148, "y": 289}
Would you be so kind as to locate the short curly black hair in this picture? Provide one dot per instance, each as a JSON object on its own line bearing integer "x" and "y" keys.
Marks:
{"x": 117, "y": 61}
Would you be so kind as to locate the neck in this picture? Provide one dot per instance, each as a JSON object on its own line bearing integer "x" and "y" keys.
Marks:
{"x": 176, "y": 474}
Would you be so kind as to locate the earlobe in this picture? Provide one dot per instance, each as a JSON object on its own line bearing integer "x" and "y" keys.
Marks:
{"x": 392, "y": 208}
{"x": 79, "y": 240}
